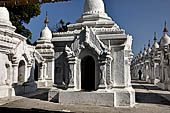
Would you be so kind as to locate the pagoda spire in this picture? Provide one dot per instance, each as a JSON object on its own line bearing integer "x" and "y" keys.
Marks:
{"x": 155, "y": 38}
{"x": 165, "y": 28}
{"x": 144, "y": 47}
{"x": 46, "y": 19}
{"x": 149, "y": 44}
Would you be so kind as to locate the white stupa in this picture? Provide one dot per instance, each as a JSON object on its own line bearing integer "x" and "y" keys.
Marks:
{"x": 155, "y": 44}
{"x": 5, "y": 23}
{"x": 165, "y": 40}
{"x": 94, "y": 6}
{"x": 94, "y": 15}
{"x": 44, "y": 45}
{"x": 46, "y": 32}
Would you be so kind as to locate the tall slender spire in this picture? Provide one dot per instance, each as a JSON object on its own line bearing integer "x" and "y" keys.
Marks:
{"x": 144, "y": 52}
{"x": 149, "y": 44}
{"x": 155, "y": 38}
{"x": 46, "y": 19}
{"x": 155, "y": 45}
{"x": 144, "y": 47}
{"x": 165, "y": 28}
{"x": 149, "y": 47}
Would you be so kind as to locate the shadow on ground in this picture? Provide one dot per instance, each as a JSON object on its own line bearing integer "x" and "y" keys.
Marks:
{"x": 139, "y": 81}
{"x": 43, "y": 96}
{"x": 151, "y": 98}
{"x": 40, "y": 93}
{"x": 19, "y": 110}
{"x": 147, "y": 87}
{"x": 147, "y": 93}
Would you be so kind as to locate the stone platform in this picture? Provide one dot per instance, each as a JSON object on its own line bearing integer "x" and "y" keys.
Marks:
{"x": 112, "y": 98}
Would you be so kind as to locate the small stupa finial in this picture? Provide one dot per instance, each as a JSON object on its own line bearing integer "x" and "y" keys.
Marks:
{"x": 46, "y": 19}
{"x": 140, "y": 50}
{"x": 149, "y": 44}
{"x": 155, "y": 39}
{"x": 165, "y": 28}
{"x": 144, "y": 47}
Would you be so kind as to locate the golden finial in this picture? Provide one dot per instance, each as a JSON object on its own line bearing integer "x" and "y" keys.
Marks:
{"x": 46, "y": 19}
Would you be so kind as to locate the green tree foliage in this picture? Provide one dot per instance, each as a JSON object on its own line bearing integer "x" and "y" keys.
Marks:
{"x": 23, "y": 14}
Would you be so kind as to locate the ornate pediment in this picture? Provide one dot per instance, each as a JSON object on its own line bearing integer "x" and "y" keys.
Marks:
{"x": 87, "y": 39}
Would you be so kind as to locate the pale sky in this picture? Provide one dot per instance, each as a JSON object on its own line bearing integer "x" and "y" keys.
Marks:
{"x": 139, "y": 18}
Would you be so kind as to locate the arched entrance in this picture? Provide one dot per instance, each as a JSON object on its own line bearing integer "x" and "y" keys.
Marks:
{"x": 88, "y": 73}
{"x": 21, "y": 72}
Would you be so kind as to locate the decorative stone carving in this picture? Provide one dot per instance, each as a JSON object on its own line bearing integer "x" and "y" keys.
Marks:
{"x": 105, "y": 67}
{"x": 103, "y": 83}
{"x": 108, "y": 72}
{"x": 72, "y": 71}
{"x": 69, "y": 52}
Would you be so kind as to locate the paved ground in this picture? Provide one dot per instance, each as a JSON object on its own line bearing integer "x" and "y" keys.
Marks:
{"x": 149, "y": 98}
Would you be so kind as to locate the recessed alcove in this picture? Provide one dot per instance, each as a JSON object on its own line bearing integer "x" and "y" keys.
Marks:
{"x": 88, "y": 74}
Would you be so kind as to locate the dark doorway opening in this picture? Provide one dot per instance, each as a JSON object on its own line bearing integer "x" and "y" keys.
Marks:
{"x": 36, "y": 71}
{"x": 140, "y": 75}
{"x": 88, "y": 74}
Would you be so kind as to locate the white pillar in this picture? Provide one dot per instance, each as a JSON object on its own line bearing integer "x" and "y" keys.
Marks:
{"x": 41, "y": 72}
{"x": 15, "y": 73}
{"x": 77, "y": 78}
